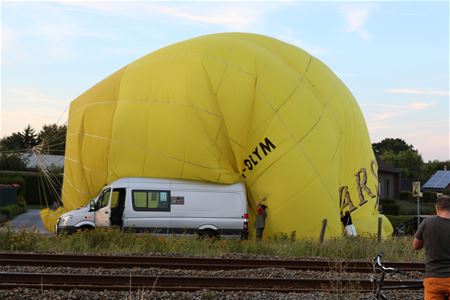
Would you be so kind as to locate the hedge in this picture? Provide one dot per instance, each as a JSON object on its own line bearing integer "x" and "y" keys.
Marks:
{"x": 389, "y": 207}
{"x": 405, "y": 195}
{"x": 34, "y": 188}
{"x": 12, "y": 210}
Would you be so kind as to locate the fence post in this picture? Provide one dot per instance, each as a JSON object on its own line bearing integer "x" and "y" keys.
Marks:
{"x": 380, "y": 222}
{"x": 322, "y": 231}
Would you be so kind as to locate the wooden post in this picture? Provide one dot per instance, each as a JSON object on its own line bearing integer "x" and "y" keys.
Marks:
{"x": 322, "y": 231}
{"x": 380, "y": 222}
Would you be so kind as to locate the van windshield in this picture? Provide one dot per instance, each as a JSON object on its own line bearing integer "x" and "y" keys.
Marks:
{"x": 103, "y": 200}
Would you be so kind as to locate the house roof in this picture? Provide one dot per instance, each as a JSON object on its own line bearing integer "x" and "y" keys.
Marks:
{"x": 44, "y": 160}
{"x": 385, "y": 167}
{"x": 440, "y": 180}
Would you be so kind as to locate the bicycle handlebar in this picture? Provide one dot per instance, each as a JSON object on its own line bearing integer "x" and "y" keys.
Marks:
{"x": 387, "y": 270}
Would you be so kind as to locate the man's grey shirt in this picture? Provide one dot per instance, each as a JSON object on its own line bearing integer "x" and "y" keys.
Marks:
{"x": 435, "y": 234}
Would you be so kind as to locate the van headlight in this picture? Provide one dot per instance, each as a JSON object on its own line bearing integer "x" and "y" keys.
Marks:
{"x": 65, "y": 220}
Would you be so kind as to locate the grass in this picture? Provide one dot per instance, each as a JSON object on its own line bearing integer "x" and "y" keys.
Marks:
{"x": 110, "y": 241}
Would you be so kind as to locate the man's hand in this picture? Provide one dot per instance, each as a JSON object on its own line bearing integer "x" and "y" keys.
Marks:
{"x": 417, "y": 244}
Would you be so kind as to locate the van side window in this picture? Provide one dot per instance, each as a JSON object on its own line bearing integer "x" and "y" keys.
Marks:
{"x": 104, "y": 199}
{"x": 151, "y": 200}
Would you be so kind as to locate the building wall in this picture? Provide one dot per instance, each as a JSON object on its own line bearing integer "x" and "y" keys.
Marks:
{"x": 387, "y": 185}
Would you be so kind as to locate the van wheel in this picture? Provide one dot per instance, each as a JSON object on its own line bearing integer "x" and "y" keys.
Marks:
{"x": 84, "y": 228}
{"x": 207, "y": 233}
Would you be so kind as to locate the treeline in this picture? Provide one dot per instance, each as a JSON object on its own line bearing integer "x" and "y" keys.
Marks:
{"x": 51, "y": 139}
{"x": 407, "y": 159}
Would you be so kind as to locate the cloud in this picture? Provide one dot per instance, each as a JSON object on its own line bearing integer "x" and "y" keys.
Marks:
{"x": 396, "y": 110}
{"x": 415, "y": 91}
{"x": 356, "y": 16}
{"x": 233, "y": 15}
{"x": 50, "y": 30}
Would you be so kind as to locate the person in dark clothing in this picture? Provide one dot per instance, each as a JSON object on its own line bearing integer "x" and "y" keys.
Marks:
{"x": 260, "y": 221}
{"x": 346, "y": 220}
{"x": 433, "y": 234}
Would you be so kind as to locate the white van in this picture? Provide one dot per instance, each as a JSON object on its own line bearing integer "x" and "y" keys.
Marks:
{"x": 164, "y": 206}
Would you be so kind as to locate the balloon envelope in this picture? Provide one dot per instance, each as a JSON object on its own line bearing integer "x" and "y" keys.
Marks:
{"x": 225, "y": 108}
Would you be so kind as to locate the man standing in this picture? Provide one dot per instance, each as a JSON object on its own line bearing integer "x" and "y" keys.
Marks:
{"x": 434, "y": 235}
{"x": 260, "y": 221}
{"x": 346, "y": 220}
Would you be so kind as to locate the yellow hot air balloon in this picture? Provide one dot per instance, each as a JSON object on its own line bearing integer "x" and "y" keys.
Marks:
{"x": 225, "y": 108}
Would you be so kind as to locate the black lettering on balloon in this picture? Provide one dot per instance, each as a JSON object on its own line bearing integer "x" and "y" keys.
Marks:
{"x": 256, "y": 153}
{"x": 248, "y": 163}
{"x": 361, "y": 183}
{"x": 345, "y": 199}
{"x": 265, "y": 147}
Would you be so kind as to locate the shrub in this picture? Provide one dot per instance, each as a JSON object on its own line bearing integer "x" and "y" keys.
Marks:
{"x": 405, "y": 195}
{"x": 446, "y": 191}
{"x": 390, "y": 207}
{"x": 429, "y": 197}
{"x": 34, "y": 188}
{"x": 19, "y": 241}
{"x": 12, "y": 210}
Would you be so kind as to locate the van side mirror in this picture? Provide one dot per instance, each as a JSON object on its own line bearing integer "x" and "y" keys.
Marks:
{"x": 92, "y": 205}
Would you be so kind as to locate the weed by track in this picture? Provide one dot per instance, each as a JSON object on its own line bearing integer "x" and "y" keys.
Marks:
{"x": 109, "y": 241}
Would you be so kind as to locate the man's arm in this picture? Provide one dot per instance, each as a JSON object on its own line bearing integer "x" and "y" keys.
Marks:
{"x": 417, "y": 244}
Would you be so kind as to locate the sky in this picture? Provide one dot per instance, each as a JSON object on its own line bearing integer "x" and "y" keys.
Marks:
{"x": 393, "y": 56}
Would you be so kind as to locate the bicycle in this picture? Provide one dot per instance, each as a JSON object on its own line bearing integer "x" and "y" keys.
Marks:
{"x": 379, "y": 280}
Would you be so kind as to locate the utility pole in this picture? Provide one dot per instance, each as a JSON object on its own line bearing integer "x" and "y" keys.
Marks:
{"x": 416, "y": 193}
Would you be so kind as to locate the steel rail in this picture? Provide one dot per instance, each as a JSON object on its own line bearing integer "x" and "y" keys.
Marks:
{"x": 171, "y": 283}
{"x": 192, "y": 263}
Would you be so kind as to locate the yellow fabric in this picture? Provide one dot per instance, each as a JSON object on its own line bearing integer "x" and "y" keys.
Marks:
{"x": 226, "y": 108}
{"x": 115, "y": 199}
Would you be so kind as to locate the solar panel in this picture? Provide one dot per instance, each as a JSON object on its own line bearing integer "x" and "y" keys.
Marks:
{"x": 440, "y": 180}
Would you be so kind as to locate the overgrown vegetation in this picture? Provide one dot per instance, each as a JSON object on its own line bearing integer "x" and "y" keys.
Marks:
{"x": 110, "y": 241}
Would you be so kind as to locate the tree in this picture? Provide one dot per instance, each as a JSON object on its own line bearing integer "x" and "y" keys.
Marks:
{"x": 390, "y": 144}
{"x": 408, "y": 162}
{"x": 29, "y": 137}
{"x": 13, "y": 142}
{"x": 400, "y": 155}
{"x": 12, "y": 162}
{"x": 52, "y": 139}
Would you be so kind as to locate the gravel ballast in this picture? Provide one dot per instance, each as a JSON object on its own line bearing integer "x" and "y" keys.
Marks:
{"x": 25, "y": 293}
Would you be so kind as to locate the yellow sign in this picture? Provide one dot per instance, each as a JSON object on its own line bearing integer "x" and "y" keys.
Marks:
{"x": 416, "y": 189}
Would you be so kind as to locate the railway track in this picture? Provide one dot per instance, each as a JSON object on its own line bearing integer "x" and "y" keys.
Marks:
{"x": 167, "y": 283}
{"x": 95, "y": 261}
